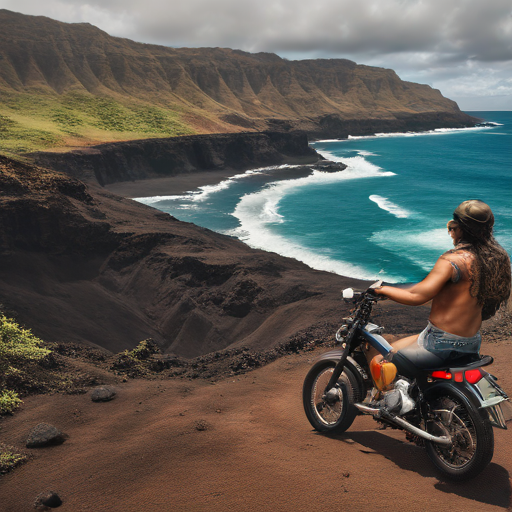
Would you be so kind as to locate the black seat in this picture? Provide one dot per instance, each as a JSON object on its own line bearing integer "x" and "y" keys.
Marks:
{"x": 410, "y": 360}
{"x": 469, "y": 361}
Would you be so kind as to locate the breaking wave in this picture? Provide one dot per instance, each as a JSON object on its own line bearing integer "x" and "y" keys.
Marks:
{"x": 258, "y": 211}
{"x": 385, "y": 204}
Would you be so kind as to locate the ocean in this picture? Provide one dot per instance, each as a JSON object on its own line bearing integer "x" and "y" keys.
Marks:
{"x": 384, "y": 217}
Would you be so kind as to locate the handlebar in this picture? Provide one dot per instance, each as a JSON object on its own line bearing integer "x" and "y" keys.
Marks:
{"x": 356, "y": 296}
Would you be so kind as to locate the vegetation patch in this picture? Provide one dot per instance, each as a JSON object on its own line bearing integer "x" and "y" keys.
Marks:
{"x": 19, "y": 351}
{"x": 9, "y": 459}
{"x": 34, "y": 122}
{"x": 137, "y": 362}
{"x": 29, "y": 365}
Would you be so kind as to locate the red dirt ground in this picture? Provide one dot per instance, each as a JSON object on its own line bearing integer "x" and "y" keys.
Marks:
{"x": 242, "y": 443}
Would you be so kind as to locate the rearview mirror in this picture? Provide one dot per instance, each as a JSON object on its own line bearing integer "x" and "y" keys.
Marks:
{"x": 348, "y": 293}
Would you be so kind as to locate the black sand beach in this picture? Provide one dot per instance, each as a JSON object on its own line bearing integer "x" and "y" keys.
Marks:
{"x": 181, "y": 183}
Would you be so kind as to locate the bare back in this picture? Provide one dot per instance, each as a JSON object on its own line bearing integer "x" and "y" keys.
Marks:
{"x": 454, "y": 309}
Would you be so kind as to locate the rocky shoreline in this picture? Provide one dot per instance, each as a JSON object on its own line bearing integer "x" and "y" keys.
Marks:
{"x": 80, "y": 264}
{"x": 225, "y": 154}
{"x": 160, "y": 158}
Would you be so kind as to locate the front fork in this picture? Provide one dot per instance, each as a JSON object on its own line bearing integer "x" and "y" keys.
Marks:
{"x": 346, "y": 346}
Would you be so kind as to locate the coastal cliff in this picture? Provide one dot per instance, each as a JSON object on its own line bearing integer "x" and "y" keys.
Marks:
{"x": 158, "y": 158}
{"x": 78, "y": 264}
{"x": 66, "y": 85}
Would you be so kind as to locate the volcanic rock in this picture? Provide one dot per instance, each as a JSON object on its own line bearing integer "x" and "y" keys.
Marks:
{"x": 103, "y": 394}
{"x": 44, "y": 435}
{"x": 158, "y": 158}
{"x": 47, "y": 500}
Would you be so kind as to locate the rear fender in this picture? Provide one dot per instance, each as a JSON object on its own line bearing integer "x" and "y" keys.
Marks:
{"x": 463, "y": 391}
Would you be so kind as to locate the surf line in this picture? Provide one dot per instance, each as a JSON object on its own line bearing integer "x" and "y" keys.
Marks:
{"x": 385, "y": 204}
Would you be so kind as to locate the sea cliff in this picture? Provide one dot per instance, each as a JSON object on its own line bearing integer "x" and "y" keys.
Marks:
{"x": 159, "y": 158}
{"x": 79, "y": 264}
{"x": 77, "y": 85}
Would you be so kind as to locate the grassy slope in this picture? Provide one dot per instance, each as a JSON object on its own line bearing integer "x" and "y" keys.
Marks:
{"x": 32, "y": 122}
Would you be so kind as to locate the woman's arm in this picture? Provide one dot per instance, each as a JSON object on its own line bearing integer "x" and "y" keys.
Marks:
{"x": 423, "y": 291}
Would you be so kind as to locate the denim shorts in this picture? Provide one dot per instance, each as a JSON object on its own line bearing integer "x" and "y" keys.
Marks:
{"x": 445, "y": 344}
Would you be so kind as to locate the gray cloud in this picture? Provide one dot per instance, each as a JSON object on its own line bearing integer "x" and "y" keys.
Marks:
{"x": 432, "y": 41}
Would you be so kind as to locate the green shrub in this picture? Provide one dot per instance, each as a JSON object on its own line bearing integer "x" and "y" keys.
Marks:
{"x": 136, "y": 362}
{"x": 9, "y": 459}
{"x": 18, "y": 345}
{"x": 9, "y": 400}
{"x": 18, "y": 349}
{"x": 144, "y": 349}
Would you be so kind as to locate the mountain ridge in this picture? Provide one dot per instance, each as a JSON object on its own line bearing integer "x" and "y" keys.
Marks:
{"x": 196, "y": 90}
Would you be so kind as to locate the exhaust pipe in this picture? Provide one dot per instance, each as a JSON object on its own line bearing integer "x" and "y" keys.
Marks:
{"x": 400, "y": 422}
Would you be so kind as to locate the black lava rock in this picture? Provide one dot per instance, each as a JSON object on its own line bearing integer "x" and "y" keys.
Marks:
{"x": 47, "y": 500}
{"x": 44, "y": 435}
{"x": 103, "y": 394}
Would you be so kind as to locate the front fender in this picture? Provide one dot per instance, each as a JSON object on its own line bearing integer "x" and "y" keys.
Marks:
{"x": 351, "y": 364}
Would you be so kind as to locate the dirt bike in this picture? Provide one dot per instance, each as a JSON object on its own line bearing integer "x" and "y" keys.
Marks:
{"x": 449, "y": 406}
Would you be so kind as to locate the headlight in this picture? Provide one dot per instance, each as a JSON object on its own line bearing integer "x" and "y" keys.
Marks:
{"x": 342, "y": 332}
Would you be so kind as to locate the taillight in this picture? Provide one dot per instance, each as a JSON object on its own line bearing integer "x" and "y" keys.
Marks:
{"x": 473, "y": 376}
{"x": 442, "y": 375}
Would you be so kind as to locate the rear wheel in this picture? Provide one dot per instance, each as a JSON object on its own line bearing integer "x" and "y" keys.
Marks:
{"x": 333, "y": 411}
{"x": 472, "y": 438}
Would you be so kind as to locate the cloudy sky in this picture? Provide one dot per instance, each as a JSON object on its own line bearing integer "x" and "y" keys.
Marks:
{"x": 462, "y": 47}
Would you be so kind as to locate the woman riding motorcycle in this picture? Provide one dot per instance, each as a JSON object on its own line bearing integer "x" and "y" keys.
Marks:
{"x": 467, "y": 285}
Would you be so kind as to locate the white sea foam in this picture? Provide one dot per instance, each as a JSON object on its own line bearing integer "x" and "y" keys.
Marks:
{"x": 437, "y": 131}
{"x": 385, "y": 204}
{"x": 202, "y": 193}
{"x": 256, "y": 213}
{"x": 357, "y": 167}
{"x": 363, "y": 152}
{"x": 256, "y": 234}
{"x": 324, "y": 140}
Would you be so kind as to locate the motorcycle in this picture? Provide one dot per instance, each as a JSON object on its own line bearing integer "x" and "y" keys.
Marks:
{"x": 448, "y": 406}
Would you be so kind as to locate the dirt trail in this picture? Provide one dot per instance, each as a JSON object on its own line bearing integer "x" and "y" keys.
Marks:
{"x": 239, "y": 444}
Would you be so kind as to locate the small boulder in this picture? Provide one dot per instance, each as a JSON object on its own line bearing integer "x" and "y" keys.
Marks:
{"x": 47, "y": 500}
{"x": 201, "y": 425}
{"x": 44, "y": 435}
{"x": 103, "y": 394}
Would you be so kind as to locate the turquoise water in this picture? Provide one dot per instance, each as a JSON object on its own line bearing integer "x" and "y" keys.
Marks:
{"x": 383, "y": 217}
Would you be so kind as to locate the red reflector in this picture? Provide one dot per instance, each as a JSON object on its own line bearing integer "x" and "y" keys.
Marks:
{"x": 442, "y": 375}
{"x": 459, "y": 377}
{"x": 473, "y": 376}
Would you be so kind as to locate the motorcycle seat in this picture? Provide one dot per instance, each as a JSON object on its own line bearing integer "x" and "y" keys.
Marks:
{"x": 469, "y": 361}
{"x": 412, "y": 359}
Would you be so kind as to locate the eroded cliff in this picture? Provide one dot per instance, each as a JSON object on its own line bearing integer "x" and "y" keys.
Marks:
{"x": 78, "y": 264}
{"x": 158, "y": 158}
{"x": 83, "y": 86}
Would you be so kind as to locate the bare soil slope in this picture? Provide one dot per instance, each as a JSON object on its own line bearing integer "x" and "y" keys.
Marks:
{"x": 79, "y": 264}
{"x": 241, "y": 443}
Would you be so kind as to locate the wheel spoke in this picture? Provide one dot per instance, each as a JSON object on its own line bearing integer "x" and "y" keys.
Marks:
{"x": 453, "y": 418}
{"x": 330, "y": 411}
{"x": 327, "y": 413}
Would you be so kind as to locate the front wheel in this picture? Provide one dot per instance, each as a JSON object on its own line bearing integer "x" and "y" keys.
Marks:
{"x": 334, "y": 411}
{"x": 472, "y": 438}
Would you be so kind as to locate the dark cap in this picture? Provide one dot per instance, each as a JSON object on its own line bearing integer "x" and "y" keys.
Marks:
{"x": 475, "y": 217}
